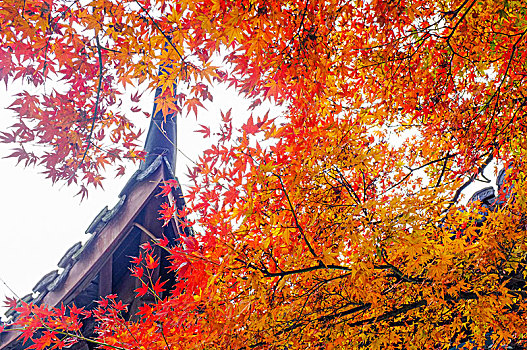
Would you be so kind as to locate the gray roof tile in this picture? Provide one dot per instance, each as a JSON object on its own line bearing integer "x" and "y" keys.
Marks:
{"x": 96, "y": 221}
{"x": 44, "y": 281}
{"x": 67, "y": 259}
{"x": 59, "y": 279}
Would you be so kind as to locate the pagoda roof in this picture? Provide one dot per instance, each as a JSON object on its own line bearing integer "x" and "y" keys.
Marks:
{"x": 81, "y": 264}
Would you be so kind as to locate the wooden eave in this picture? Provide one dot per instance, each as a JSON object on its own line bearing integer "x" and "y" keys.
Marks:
{"x": 85, "y": 265}
{"x": 106, "y": 238}
{"x": 105, "y": 243}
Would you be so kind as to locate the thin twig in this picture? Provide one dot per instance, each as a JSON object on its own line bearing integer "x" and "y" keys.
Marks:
{"x": 12, "y": 291}
{"x": 162, "y": 32}
{"x": 442, "y": 170}
{"x": 297, "y": 223}
{"x": 163, "y": 335}
{"x": 461, "y": 19}
{"x": 471, "y": 179}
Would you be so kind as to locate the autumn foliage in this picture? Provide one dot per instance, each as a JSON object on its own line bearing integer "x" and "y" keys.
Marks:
{"x": 337, "y": 225}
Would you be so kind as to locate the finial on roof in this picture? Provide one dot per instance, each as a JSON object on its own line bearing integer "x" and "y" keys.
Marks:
{"x": 161, "y": 138}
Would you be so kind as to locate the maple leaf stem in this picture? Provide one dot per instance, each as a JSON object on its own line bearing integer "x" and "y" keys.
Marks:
{"x": 163, "y": 334}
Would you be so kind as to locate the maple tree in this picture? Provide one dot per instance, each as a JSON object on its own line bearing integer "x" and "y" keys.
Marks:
{"x": 336, "y": 225}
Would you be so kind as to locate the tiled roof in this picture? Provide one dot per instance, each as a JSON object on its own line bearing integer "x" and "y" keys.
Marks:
{"x": 160, "y": 147}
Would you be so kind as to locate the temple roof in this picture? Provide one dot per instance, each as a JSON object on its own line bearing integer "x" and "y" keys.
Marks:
{"x": 77, "y": 278}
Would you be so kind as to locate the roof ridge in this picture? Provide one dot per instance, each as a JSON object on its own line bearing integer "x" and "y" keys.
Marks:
{"x": 161, "y": 139}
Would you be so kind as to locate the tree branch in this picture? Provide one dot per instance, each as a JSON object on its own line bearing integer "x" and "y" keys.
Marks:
{"x": 461, "y": 19}
{"x": 472, "y": 178}
{"x": 97, "y": 99}
{"x": 297, "y": 223}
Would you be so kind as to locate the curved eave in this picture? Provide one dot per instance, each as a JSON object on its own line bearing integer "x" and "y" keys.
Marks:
{"x": 109, "y": 229}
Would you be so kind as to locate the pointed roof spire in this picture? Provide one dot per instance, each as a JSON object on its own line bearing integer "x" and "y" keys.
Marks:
{"x": 161, "y": 139}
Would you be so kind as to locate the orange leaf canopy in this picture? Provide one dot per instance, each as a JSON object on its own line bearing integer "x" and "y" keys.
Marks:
{"x": 338, "y": 224}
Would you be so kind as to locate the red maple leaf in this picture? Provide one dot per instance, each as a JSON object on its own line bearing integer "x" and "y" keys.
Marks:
{"x": 193, "y": 104}
{"x": 146, "y": 246}
{"x": 102, "y": 303}
{"x": 10, "y": 302}
{"x": 120, "y": 171}
{"x": 151, "y": 262}
{"x": 165, "y": 190}
{"x": 250, "y": 127}
{"x": 135, "y": 97}
{"x": 137, "y": 260}
{"x": 167, "y": 212}
{"x": 83, "y": 192}
{"x": 190, "y": 242}
{"x": 7, "y": 137}
{"x": 141, "y": 290}
{"x": 158, "y": 287}
{"x": 204, "y": 130}
{"x": 163, "y": 242}
{"x": 137, "y": 272}
{"x": 167, "y": 186}
{"x": 227, "y": 116}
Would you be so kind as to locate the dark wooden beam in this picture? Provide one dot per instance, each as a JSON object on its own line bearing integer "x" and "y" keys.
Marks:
{"x": 105, "y": 278}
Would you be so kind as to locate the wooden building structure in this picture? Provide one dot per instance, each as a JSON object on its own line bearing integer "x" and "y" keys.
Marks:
{"x": 100, "y": 266}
